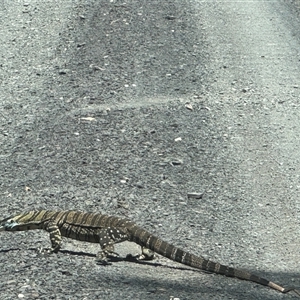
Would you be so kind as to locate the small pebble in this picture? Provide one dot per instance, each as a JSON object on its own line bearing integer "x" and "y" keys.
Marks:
{"x": 195, "y": 195}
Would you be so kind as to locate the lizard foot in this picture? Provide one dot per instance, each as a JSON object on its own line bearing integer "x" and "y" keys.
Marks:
{"x": 139, "y": 257}
{"x": 101, "y": 257}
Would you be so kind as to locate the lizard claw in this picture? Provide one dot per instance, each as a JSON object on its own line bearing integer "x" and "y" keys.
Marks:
{"x": 44, "y": 251}
{"x": 101, "y": 257}
{"x": 139, "y": 257}
{"x": 291, "y": 289}
{"x": 102, "y": 262}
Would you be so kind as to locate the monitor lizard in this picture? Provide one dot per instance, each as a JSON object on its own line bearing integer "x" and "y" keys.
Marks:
{"x": 109, "y": 230}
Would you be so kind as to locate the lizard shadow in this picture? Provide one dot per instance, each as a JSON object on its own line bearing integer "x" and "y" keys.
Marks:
{"x": 169, "y": 285}
{"x": 9, "y": 250}
{"x": 128, "y": 258}
{"x": 114, "y": 259}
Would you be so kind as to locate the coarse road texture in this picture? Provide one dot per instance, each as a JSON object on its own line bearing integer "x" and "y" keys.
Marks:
{"x": 125, "y": 107}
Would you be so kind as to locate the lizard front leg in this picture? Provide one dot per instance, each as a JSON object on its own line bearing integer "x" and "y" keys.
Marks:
{"x": 55, "y": 237}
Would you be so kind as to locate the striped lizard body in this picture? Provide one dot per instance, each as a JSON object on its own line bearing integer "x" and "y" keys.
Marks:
{"x": 109, "y": 230}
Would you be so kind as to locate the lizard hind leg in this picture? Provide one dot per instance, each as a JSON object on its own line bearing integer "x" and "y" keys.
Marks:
{"x": 147, "y": 254}
{"x": 108, "y": 250}
{"x": 107, "y": 238}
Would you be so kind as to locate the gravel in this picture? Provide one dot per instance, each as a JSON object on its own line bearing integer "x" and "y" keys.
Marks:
{"x": 181, "y": 115}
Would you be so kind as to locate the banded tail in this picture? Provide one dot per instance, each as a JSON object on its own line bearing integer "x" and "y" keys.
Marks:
{"x": 148, "y": 240}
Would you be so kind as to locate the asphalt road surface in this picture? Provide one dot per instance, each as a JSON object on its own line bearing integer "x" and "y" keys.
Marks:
{"x": 125, "y": 107}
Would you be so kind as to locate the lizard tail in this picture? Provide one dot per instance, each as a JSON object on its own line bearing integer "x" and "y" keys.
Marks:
{"x": 148, "y": 240}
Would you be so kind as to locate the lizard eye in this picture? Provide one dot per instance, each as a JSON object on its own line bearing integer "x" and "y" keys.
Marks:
{"x": 10, "y": 223}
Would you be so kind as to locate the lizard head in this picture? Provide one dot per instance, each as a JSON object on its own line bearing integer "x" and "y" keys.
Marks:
{"x": 8, "y": 224}
{"x": 23, "y": 221}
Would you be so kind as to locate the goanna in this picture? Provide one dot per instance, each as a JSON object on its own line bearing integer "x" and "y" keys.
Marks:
{"x": 109, "y": 230}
